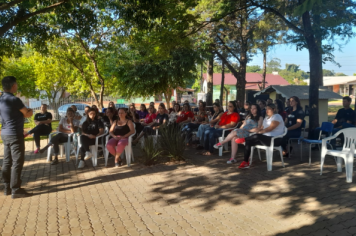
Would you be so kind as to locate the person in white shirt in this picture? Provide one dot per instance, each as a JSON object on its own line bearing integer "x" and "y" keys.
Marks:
{"x": 273, "y": 125}
{"x": 67, "y": 125}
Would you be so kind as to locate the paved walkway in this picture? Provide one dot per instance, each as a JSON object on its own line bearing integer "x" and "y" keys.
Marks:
{"x": 204, "y": 197}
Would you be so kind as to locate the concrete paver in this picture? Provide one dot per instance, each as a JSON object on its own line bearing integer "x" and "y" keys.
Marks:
{"x": 205, "y": 196}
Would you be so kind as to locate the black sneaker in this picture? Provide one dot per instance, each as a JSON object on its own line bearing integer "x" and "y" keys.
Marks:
{"x": 20, "y": 193}
{"x": 54, "y": 162}
{"x": 43, "y": 149}
{"x": 7, "y": 190}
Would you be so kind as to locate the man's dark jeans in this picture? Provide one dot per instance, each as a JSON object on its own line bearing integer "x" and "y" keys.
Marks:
{"x": 14, "y": 156}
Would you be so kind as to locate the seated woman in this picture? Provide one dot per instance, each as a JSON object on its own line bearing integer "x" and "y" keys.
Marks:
{"x": 293, "y": 122}
{"x": 206, "y": 125}
{"x": 228, "y": 120}
{"x": 280, "y": 109}
{"x": 43, "y": 122}
{"x": 272, "y": 126}
{"x": 150, "y": 117}
{"x": 174, "y": 114}
{"x": 150, "y": 129}
{"x": 91, "y": 128}
{"x": 200, "y": 118}
{"x": 133, "y": 115}
{"x": 67, "y": 125}
{"x": 186, "y": 115}
{"x": 109, "y": 117}
{"x": 142, "y": 113}
{"x": 120, "y": 131}
{"x": 244, "y": 112}
{"x": 165, "y": 110}
{"x": 252, "y": 124}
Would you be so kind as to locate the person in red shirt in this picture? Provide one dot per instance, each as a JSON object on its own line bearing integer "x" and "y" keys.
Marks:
{"x": 228, "y": 120}
{"x": 186, "y": 115}
{"x": 150, "y": 117}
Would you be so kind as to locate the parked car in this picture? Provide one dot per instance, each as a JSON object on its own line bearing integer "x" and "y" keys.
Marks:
{"x": 62, "y": 110}
{"x": 117, "y": 106}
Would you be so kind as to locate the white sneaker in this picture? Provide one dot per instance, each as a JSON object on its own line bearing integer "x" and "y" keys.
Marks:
{"x": 81, "y": 164}
{"x": 88, "y": 155}
{"x": 231, "y": 161}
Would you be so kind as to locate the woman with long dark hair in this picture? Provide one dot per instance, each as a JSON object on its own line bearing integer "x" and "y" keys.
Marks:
{"x": 212, "y": 122}
{"x": 252, "y": 124}
{"x": 280, "y": 108}
{"x": 293, "y": 122}
{"x": 272, "y": 126}
{"x": 228, "y": 120}
{"x": 91, "y": 128}
{"x": 120, "y": 131}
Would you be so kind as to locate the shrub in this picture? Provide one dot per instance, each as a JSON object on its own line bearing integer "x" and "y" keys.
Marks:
{"x": 151, "y": 151}
{"x": 172, "y": 141}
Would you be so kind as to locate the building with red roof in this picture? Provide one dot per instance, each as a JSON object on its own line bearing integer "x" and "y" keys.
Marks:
{"x": 253, "y": 84}
{"x": 253, "y": 80}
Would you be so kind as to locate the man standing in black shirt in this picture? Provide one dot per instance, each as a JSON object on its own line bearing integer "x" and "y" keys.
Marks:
{"x": 43, "y": 127}
{"x": 13, "y": 112}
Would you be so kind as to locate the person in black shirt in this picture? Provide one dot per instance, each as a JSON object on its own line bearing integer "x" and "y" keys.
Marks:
{"x": 151, "y": 128}
{"x": 262, "y": 104}
{"x": 12, "y": 113}
{"x": 43, "y": 127}
{"x": 344, "y": 115}
{"x": 91, "y": 128}
{"x": 293, "y": 122}
{"x": 109, "y": 117}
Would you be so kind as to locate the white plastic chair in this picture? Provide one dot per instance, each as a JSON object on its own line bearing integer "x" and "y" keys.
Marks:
{"x": 93, "y": 148}
{"x": 128, "y": 149}
{"x": 347, "y": 153}
{"x": 269, "y": 151}
{"x": 226, "y": 145}
{"x": 66, "y": 146}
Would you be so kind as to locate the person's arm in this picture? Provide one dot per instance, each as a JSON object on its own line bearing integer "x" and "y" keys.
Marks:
{"x": 228, "y": 126}
{"x": 217, "y": 119}
{"x": 297, "y": 125}
{"x": 27, "y": 112}
{"x": 336, "y": 117}
{"x": 273, "y": 125}
{"x": 111, "y": 132}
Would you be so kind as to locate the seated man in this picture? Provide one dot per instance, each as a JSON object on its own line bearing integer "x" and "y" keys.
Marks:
{"x": 345, "y": 117}
{"x": 43, "y": 126}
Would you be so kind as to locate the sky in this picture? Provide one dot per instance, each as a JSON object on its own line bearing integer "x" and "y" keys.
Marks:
{"x": 288, "y": 54}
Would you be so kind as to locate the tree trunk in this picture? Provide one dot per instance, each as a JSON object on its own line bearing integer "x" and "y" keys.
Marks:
{"x": 264, "y": 68}
{"x": 209, "y": 95}
{"x": 316, "y": 73}
{"x": 168, "y": 96}
{"x": 222, "y": 83}
{"x": 201, "y": 78}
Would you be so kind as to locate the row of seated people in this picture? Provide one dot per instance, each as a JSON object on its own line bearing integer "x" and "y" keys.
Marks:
{"x": 208, "y": 124}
